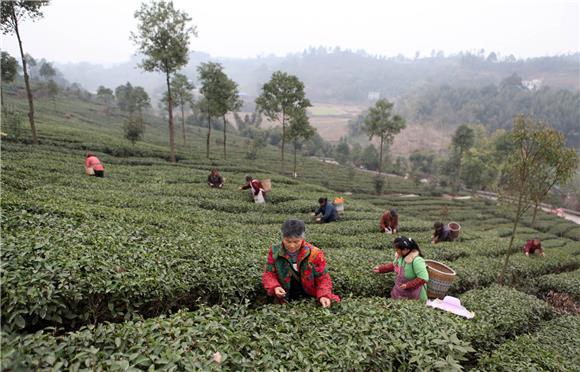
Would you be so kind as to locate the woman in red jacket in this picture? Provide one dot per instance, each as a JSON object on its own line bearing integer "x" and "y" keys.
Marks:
{"x": 296, "y": 269}
{"x": 258, "y": 192}
{"x": 534, "y": 246}
{"x": 389, "y": 222}
{"x": 93, "y": 166}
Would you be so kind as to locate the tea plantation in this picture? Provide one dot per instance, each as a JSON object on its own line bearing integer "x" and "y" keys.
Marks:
{"x": 149, "y": 269}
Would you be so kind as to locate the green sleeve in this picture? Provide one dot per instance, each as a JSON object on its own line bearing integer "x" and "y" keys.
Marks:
{"x": 420, "y": 268}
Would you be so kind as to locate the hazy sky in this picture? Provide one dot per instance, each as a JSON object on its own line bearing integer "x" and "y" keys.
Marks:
{"x": 98, "y": 30}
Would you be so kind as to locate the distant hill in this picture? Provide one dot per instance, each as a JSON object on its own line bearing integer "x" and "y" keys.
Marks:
{"x": 344, "y": 76}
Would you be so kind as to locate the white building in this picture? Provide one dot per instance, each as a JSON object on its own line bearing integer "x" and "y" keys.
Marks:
{"x": 373, "y": 96}
{"x": 533, "y": 84}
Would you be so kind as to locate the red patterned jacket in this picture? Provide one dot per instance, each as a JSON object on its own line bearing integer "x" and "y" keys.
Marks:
{"x": 311, "y": 264}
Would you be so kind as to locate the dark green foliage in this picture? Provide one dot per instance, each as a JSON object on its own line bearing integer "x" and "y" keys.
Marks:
{"x": 358, "y": 334}
{"x": 12, "y": 121}
{"x": 9, "y": 68}
{"x": 282, "y": 98}
{"x": 134, "y": 128}
{"x": 554, "y": 347}
{"x": 568, "y": 282}
{"x": 129, "y": 99}
{"x": 382, "y": 122}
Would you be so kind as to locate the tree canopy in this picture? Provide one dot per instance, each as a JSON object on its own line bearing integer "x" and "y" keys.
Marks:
{"x": 162, "y": 37}
{"x": 281, "y": 96}
{"x": 383, "y": 123}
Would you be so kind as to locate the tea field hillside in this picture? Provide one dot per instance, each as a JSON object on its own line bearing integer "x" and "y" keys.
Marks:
{"x": 149, "y": 269}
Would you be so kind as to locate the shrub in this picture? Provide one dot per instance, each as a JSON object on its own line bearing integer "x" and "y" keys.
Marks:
{"x": 563, "y": 283}
{"x": 554, "y": 347}
{"x": 502, "y": 313}
{"x": 357, "y": 334}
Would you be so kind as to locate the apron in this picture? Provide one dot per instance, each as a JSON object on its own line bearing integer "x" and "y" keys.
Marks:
{"x": 399, "y": 293}
{"x": 259, "y": 199}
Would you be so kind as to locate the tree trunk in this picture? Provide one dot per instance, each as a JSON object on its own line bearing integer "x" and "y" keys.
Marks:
{"x": 170, "y": 111}
{"x": 283, "y": 139}
{"x": 501, "y": 278}
{"x": 208, "y": 131}
{"x": 457, "y": 176}
{"x": 225, "y": 139}
{"x": 26, "y": 81}
{"x": 381, "y": 156}
{"x": 295, "y": 149}
{"x": 536, "y": 205}
{"x": 183, "y": 124}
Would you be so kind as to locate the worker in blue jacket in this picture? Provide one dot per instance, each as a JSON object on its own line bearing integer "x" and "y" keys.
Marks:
{"x": 326, "y": 210}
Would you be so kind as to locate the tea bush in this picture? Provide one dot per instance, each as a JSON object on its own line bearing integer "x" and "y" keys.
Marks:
{"x": 357, "y": 334}
{"x": 563, "y": 283}
{"x": 554, "y": 347}
{"x": 502, "y": 313}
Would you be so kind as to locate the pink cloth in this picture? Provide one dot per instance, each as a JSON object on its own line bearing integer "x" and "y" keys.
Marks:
{"x": 94, "y": 162}
{"x": 451, "y": 304}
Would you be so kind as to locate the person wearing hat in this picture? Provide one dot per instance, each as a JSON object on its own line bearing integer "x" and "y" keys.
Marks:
{"x": 411, "y": 270}
{"x": 93, "y": 166}
{"x": 296, "y": 269}
{"x": 533, "y": 246}
{"x": 215, "y": 179}
{"x": 442, "y": 233}
{"x": 255, "y": 185}
{"x": 327, "y": 211}
{"x": 389, "y": 222}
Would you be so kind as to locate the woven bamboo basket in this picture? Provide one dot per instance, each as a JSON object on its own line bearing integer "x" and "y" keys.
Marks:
{"x": 440, "y": 279}
{"x": 267, "y": 185}
{"x": 455, "y": 229}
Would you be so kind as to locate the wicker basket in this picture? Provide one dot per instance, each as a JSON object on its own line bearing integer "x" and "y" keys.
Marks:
{"x": 267, "y": 185}
{"x": 440, "y": 279}
{"x": 455, "y": 228}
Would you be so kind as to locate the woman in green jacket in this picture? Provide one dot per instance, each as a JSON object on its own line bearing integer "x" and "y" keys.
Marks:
{"x": 412, "y": 275}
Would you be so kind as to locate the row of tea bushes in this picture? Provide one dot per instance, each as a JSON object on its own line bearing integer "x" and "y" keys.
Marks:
{"x": 478, "y": 271}
{"x": 563, "y": 283}
{"x": 554, "y": 347}
{"x": 69, "y": 271}
{"x": 357, "y": 334}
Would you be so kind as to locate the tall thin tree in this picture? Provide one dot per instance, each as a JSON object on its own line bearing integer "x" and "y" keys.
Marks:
{"x": 11, "y": 14}
{"x": 539, "y": 160}
{"x": 162, "y": 36}
{"x": 182, "y": 88}
{"x": 463, "y": 140}
{"x": 383, "y": 123}
{"x": 281, "y": 95}
{"x": 231, "y": 102}
{"x": 211, "y": 78}
{"x": 299, "y": 129}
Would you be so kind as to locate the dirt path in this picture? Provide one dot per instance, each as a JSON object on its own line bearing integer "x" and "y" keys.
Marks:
{"x": 568, "y": 215}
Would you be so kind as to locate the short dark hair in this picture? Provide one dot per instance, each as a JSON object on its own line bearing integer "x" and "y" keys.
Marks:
{"x": 438, "y": 225}
{"x": 248, "y": 178}
{"x": 322, "y": 200}
{"x": 393, "y": 212}
{"x": 293, "y": 228}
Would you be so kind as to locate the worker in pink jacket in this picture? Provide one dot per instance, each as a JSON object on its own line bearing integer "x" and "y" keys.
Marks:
{"x": 93, "y": 166}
